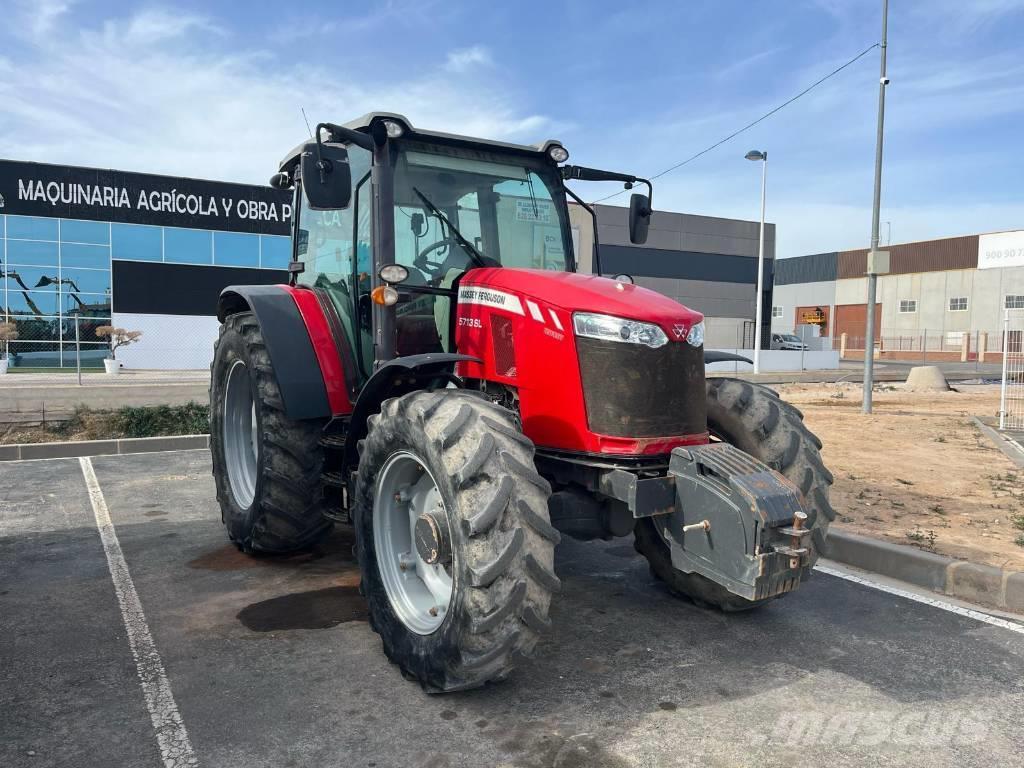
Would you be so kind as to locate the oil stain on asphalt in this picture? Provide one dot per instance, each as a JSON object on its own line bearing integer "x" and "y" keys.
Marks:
{"x": 317, "y": 609}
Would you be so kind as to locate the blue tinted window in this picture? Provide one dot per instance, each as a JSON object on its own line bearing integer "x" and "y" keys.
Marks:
{"x": 30, "y": 302}
{"x": 277, "y": 252}
{"x": 91, "y": 304}
{"x": 31, "y": 228}
{"x": 187, "y": 246}
{"x": 136, "y": 242}
{"x": 27, "y": 252}
{"x": 75, "y": 231}
{"x": 85, "y": 280}
{"x": 236, "y": 249}
{"x": 31, "y": 278}
{"x": 76, "y": 255}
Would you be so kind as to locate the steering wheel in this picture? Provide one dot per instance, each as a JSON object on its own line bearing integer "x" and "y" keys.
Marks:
{"x": 435, "y": 270}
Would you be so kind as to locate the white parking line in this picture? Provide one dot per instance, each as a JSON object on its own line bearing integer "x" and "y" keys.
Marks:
{"x": 932, "y": 601}
{"x": 171, "y": 736}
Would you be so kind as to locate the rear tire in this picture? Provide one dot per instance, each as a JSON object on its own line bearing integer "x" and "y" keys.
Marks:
{"x": 492, "y": 504}
{"x": 270, "y": 498}
{"x": 754, "y": 419}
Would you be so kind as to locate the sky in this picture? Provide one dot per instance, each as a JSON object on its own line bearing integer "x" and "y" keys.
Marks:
{"x": 216, "y": 90}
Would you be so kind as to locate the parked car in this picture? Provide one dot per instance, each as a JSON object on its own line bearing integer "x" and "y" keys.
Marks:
{"x": 787, "y": 341}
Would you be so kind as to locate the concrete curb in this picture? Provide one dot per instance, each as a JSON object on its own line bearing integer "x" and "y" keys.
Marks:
{"x": 982, "y": 584}
{"x": 74, "y": 448}
{"x": 1004, "y": 444}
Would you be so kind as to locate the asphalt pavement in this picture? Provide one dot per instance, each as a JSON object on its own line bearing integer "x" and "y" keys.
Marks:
{"x": 270, "y": 662}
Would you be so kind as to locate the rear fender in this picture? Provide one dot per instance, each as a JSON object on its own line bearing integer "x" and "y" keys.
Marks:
{"x": 398, "y": 377}
{"x": 302, "y": 351}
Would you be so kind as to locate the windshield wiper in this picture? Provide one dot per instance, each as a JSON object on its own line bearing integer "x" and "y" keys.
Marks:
{"x": 459, "y": 238}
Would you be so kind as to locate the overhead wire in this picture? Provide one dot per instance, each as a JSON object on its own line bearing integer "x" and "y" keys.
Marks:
{"x": 750, "y": 125}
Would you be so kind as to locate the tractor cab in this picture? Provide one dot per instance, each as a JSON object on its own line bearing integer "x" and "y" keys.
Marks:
{"x": 432, "y": 204}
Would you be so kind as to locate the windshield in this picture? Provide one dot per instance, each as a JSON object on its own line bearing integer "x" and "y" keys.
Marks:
{"x": 790, "y": 337}
{"x": 457, "y": 208}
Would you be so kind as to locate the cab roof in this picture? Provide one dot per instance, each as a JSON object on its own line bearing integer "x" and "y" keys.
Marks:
{"x": 363, "y": 123}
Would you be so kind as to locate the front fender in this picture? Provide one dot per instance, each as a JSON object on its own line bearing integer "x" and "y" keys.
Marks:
{"x": 295, "y": 360}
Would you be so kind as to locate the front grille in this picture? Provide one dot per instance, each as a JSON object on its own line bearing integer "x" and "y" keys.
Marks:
{"x": 631, "y": 390}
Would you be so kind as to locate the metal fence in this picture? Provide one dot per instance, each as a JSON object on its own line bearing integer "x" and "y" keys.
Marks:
{"x": 980, "y": 347}
{"x": 1011, "y": 398}
{"x": 72, "y": 348}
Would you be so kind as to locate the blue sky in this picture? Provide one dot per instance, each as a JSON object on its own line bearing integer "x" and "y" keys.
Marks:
{"x": 214, "y": 90}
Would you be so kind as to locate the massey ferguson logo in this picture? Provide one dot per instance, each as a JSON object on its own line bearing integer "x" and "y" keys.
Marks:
{"x": 679, "y": 331}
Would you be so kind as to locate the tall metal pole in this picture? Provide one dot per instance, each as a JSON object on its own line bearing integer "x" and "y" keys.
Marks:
{"x": 78, "y": 352}
{"x": 869, "y": 334}
{"x": 760, "y": 270}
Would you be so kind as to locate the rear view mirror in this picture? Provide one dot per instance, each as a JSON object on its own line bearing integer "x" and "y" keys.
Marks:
{"x": 639, "y": 218}
{"x": 326, "y": 176}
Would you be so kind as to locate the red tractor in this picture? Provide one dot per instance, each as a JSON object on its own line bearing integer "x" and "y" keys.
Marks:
{"x": 438, "y": 374}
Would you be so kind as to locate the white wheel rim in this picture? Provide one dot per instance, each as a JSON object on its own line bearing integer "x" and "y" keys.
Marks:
{"x": 420, "y": 593}
{"x": 240, "y": 435}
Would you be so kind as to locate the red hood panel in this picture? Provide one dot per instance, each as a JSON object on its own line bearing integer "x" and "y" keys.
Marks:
{"x": 587, "y": 293}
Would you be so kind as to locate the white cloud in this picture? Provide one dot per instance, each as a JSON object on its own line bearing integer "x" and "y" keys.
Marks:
{"x": 155, "y": 92}
{"x": 467, "y": 59}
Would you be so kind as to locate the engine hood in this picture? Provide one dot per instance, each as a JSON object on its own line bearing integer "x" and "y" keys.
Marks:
{"x": 575, "y": 292}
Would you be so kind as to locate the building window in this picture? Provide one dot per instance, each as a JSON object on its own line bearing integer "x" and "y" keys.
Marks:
{"x": 958, "y": 304}
{"x": 54, "y": 281}
{"x": 236, "y": 249}
{"x": 276, "y": 251}
{"x": 776, "y": 312}
{"x": 31, "y": 228}
{"x": 1014, "y": 301}
{"x": 908, "y": 306}
{"x": 188, "y": 246}
{"x": 136, "y": 242}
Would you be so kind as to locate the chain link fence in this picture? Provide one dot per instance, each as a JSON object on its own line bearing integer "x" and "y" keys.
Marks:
{"x": 78, "y": 348}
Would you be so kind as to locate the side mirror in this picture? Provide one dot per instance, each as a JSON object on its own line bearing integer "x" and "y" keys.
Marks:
{"x": 326, "y": 177}
{"x": 639, "y": 218}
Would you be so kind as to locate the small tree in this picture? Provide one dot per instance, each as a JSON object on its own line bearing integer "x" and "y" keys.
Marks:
{"x": 8, "y": 333}
{"x": 119, "y": 337}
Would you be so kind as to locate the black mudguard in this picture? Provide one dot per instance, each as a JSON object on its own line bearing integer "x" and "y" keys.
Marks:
{"x": 298, "y": 374}
{"x": 397, "y": 377}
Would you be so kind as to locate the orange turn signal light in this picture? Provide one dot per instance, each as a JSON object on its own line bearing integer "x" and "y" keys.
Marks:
{"x": 384, "y": 295}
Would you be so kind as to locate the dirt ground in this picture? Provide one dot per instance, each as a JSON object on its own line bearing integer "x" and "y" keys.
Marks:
{"x": 918, "y": 471}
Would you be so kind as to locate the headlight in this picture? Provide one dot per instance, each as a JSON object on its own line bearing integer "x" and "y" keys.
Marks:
{"x": 394, "y": 129}
{"x": 696, "y": 335}
{"x": 608, "y": 328}
{"x": 558, "y": 154}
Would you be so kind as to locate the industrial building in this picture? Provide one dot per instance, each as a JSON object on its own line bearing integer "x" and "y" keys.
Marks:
{"x": 944, "y": 297}
{"x": 82, "y": 248}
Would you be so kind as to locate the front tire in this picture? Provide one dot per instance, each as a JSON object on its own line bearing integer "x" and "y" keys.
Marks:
{"x": 465, "y": 462}
{"x": 754, "y": 419}
{"x": 266, "y": 467}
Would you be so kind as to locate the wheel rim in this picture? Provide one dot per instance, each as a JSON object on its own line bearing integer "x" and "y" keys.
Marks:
{"x": 420, "y": 593}
{"x": 240, "y": 435}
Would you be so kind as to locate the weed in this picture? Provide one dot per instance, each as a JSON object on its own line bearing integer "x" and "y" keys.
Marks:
{"x": 937, "y": 509}
{"x": 940, "y": 439}
{"x": 1018, "y": 521}
{"x": 926, "y": 539}
{"x": 1019, "y": 541}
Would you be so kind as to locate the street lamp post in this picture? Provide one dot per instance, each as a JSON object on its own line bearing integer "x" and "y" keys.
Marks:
{"x": 872, "y": 262}
{"x": 755, "y": 154}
